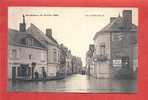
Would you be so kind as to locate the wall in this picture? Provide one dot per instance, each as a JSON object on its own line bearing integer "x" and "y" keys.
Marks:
{"x": 53, "y": 60}
{"x": 102, "y": 38}
{"x": 38, "y": 56}
{"x": 124, "y": 46}
{"x": 102, "y": 68}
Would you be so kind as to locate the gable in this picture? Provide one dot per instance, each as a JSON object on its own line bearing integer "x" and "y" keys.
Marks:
{"x": 20, "y": 39}
{"x": 116, "y": 26}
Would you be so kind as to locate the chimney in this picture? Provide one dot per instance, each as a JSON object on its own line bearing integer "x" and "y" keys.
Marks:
{"x": 22, "y": 27}
{"x": 112, "y": 19}
{"x": 127, "y": 19}
{"x": 91, "y": 47}
{"x": 49, "y": 33}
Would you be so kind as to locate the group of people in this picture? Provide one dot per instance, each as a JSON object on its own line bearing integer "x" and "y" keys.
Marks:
{"x": 44, "y": 75}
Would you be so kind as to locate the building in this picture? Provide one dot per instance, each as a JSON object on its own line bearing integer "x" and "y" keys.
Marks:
{"x": 68, "y": 62}
{"x": 34, "y": 54}
{"x": 116, "y": 46}
{"x": 53, "y": 52}
{"x": 65, "y": 60}
{"x": 76, "y": 64}
{"x": 90, "y": 60}
{"x": 27, "y": 55}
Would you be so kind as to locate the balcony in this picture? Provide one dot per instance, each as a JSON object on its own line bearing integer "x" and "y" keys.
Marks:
{"x": 100, "y": 58}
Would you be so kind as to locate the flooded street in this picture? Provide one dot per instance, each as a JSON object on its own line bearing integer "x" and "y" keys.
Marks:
{"x": 76, "y": 83}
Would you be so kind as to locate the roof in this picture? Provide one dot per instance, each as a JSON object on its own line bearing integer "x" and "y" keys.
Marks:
{"x": 115, "y": 26}
{"x": 36, "y": 32}
{"x": 16, "y": 38}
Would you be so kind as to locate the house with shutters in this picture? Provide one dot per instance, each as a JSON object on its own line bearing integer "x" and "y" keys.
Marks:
{"x": 115, "y": 47}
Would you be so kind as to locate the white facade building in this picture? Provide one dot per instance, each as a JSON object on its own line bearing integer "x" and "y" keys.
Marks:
{"x": 52, "y": 46}
{"x": 24, "y": 50}
{"x": 116, "y": 48}
{"x": 102, "y": 50}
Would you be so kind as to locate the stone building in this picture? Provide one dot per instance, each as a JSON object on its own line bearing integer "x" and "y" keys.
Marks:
{"x": 63, "y": 54}
{"x": 32, "y": 52}
{"x": 26, "y": 54}
{"x": 65, "y": 60}
{"x": 116, "y": 46}
{"x": 90, "y": 60}
{"x": 76, "y": 64}
{"x": 53, "y": 52}
{"x": 68, "y": 62}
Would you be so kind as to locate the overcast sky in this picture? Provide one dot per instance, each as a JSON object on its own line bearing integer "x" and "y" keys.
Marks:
{"x": 74, "y": 27}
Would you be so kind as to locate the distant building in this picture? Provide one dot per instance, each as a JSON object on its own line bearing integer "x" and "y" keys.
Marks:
{"x": 76, "y": 64}
{"x": 62, "y": 60}
{"x": 68, "y": 62}
{"x": 65, "y": 60}
{"x": 116, "y": 46}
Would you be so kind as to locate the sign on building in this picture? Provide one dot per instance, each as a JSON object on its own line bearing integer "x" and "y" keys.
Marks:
{"x": 117, "y": 63}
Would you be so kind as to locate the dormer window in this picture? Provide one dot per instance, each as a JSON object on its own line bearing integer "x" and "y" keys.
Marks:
{"x": 29, "y": 41}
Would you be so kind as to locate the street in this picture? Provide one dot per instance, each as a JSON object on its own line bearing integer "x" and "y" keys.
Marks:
{"x": 76, "y": 83}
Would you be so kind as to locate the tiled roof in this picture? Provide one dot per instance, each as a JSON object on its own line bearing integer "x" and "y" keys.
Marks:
{"x": 115, "y": 26}
{"x": 36, "y": 32}
{"x": 17, "y": 38}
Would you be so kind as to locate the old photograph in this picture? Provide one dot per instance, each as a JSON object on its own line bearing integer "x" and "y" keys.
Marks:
{"x": 73, "y": 49}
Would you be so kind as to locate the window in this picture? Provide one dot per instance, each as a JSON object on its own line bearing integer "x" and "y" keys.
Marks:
{"x": 42, "y": 57}
{"x": 24, "y": 70}
{"x": 102, "y": 49}
{"x": 14, "y": 54}
{"x": 49, "y": 56}
{"x": 117, "y": 37}
{"x": 29, "y": 42}
{"x": 58, "y": 56}
{"x": 30, "y": 57}
{"x": 54, "y": 55}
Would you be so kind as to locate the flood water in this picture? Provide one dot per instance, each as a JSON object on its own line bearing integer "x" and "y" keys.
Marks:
{"x": 76, "y": 83}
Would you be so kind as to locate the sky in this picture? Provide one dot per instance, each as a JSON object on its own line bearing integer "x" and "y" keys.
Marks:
{"x": 75, "y": 27}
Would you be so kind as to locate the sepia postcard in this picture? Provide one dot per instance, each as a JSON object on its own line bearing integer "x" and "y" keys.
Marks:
{"x": 73, "y": 49}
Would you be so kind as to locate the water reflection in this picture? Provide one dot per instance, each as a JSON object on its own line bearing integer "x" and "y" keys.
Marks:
{"x": 76, "y": 83}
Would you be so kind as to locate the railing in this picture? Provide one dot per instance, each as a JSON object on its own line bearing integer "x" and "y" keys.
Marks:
{"x": 100, "y": 58}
